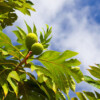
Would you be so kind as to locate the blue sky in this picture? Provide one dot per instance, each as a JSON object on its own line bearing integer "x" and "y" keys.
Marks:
{"x": 76, "y": 26}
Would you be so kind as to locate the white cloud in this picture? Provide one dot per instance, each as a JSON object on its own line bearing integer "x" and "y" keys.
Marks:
{"x": 80, "y": 34}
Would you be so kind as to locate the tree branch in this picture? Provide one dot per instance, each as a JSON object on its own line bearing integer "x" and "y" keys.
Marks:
{"x": 24, "y": 60}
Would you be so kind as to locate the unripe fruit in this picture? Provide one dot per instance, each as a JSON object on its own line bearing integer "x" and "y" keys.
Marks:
{"x": 31, "y": 38}
{"x": 37, "y": 48}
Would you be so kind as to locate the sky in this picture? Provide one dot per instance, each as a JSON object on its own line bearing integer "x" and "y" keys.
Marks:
{"x": 75, "y": 26}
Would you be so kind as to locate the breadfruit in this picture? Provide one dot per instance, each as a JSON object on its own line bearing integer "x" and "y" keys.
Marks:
{"x": 37, "y": 48}
{"x": 31, "y": 38}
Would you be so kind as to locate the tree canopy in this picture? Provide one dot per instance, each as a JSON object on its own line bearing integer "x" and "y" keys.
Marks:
{"x": 57, "y": 72}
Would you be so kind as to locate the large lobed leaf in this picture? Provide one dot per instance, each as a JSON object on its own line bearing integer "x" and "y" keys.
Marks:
{"x": 60, "y": 70}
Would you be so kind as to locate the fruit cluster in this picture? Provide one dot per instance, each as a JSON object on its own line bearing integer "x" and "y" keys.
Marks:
{"x": 33, "y": 45}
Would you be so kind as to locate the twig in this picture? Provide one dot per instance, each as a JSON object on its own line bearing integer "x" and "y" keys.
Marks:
{"x": 24, "y": 60}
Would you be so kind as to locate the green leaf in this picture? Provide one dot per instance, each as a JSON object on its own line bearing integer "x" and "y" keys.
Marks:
{"x": 73, "y": 62}
{"x": 71, "y": 83}
{"x": 55, "y": 63}
{"x": 74, "y": 98}
{"x": 95, "y": 71}
{"x": 41, "y": 37}
{"x": 48, "y": 32}
{"x": 11, "y": 96}
{"x": 26, "y": 89}
{"x": 9, "y": 6}
{"x": 90, "y": 95}
{"x": 34, "y": 29}
{"x": 81, "y": 96}
{"x": 44, "y": 37}
{"x": 22, "y": 32}
{"x": 3, "y": 52}
{"x": 97, "y": 94}
{"x": 8, "y": 63}
{"x": 3, "y": 81}
{"x": 0, "y": 28}
{"x": 28, "y": 28}
{"x": 19, "y": 36}
{"x": 13, "y": 75}
{"x": 60, "y": 96}
{"x": 91, "y": 81}
{"x": 5, "y": 43}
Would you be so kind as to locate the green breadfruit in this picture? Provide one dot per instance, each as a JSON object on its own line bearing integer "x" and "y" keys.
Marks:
{"x": 37, "y": 48}
{"x": 31, "y": 38}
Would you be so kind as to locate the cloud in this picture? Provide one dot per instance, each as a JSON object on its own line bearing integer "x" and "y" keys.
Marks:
{"x": 76, "y": 31}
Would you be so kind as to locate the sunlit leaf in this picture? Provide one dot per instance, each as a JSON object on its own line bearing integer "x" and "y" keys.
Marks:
{"x": 28, "y": 28}
{"x": 12, "y": 77}
{"x": 59, "y": 70}
{"x": 81, "y": 96}
{"x": 90, "y": 95}
{"x": 5, "y": 43}
{"x": 91, "y": 81}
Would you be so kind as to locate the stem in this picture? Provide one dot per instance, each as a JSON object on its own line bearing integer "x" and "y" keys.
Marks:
{"x": 24, "y": 60}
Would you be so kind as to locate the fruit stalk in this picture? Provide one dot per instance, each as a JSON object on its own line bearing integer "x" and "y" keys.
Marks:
{"x": 24, "y": 60}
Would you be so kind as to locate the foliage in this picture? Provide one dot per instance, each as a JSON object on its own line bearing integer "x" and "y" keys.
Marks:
{"x": 95, "y": 72}
{"x": 8, "y": 7}
{"x": 87, "y": 96}
{"x": 57, "y": 74}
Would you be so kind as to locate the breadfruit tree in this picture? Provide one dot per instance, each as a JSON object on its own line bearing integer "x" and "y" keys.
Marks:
{"x": 57, "y": 72}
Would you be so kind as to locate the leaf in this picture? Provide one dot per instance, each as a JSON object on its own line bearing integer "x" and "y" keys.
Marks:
{"x": 22, "y": 32}
{"x": 87, "y": 96}
{"x": 81, "y": 96}
{"x": 20, "y": 38}
{"x": 0, "y": 28}
{"x": 91, "y": 81}
{"x": 95, "y": 71}
{"x": 59, "y": 71}
{"x": 73, "y": 62}
{"x": 29, "y": 2}
{"x": 48, "y": 32}
{"x": 5, "y": 43}
{"x": 60, "y": 96}
{"x": 8, "y": 63}
{"x": 97, "y": 94}
{"x": 28, "y": 28}
{"x": 71, "y": 83}
{"x": 13, "y": 75}
{"x": 74, "y": 98}
{"x": 3, "y": 81}
{"x": 34, "y": 29}
{"x": 8, "y": 7}
{"x": 30, "y": 90}
{"x": 4, "y": 52}
{"x": 11, "y": 96}
{"x": 44, "y": 37}
{"x": 41, "y": 37}
{"x": 90, "y": 95}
